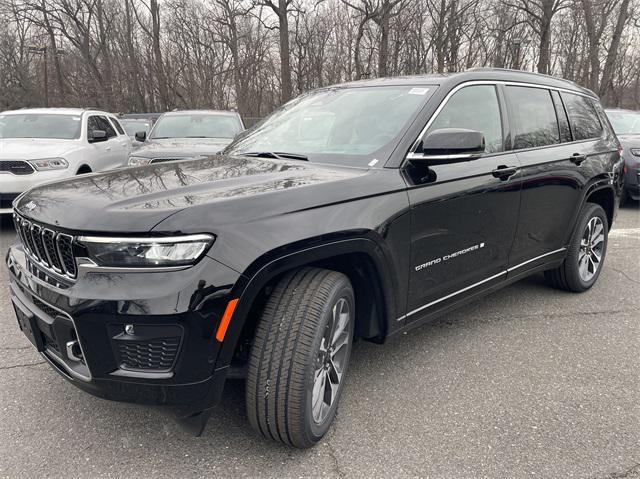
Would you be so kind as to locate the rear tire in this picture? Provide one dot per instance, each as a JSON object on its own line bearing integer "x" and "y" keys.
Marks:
{"x": 586, "y": 254}
{"x": 294, "y": 350}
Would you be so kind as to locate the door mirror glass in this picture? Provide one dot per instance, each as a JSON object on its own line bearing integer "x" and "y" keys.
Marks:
{"x": 96, "y": 136}
{"x": 141, "y": 136}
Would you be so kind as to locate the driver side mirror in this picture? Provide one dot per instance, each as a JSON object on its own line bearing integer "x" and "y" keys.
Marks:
{"x": 141, "y": 136}
{"x": 96, "y": 136}
{"x": 450, "y": 145}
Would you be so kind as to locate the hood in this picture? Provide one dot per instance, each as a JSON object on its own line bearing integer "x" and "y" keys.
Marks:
{"x": 181, "y": 147}
{"x": 34, "y": 148}
{"x": 134, "y": 200}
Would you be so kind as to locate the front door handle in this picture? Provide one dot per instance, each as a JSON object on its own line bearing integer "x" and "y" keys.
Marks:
{"x": 504, "y": 172}
{"x": 577, "y": 158}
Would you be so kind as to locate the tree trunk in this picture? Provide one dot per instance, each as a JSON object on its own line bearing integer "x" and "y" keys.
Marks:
{"x": 612, "y": 54}
{"x": 285, "y": 55}
{"x": 163, "y": 90}
{"x": 383, "y": 51}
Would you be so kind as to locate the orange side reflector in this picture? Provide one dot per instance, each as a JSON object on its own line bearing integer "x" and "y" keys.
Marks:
{"x": 226, "y": 319}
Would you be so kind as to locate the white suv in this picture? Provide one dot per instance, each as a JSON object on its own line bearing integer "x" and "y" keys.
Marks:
{"x": 46, "y": 144}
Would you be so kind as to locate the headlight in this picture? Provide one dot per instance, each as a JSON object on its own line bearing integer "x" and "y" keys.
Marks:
{"x": 146, "y": 252}
{"x": 635, "y": 151}
{"x": 139, "y": 161}
{"x": 44, "y": 164}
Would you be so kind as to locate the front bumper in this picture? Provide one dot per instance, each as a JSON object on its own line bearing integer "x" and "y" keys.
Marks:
{"x": 170, "y": 359}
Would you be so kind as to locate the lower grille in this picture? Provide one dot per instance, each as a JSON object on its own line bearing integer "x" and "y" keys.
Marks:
{"x": 50, "y": 343}
{"x": 16, "y": 167}
{"x": 154, "y": 355}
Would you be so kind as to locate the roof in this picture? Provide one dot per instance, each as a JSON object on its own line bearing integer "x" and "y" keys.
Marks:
{"x": 201, "y": 112}
{"x": 474, "y": 74}
{"x": 52, "y": 111}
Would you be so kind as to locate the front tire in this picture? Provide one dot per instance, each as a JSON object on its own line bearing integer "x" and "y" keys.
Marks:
{"x": 586, "y": 254}
{"x": 300, "y": 355}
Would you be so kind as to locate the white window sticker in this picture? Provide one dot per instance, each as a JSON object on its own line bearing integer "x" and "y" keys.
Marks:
{"x": 418, "y": 91}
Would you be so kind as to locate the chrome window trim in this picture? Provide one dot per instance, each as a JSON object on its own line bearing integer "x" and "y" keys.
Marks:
{"x": 494, "y": 83}
{"x": 455, "y": 293}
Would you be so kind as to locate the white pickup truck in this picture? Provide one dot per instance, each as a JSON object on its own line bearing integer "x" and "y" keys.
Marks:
{"x": 47, "y": 144}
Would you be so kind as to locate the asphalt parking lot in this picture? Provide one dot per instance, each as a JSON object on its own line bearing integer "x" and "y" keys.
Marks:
{"x": 527, "y": 382}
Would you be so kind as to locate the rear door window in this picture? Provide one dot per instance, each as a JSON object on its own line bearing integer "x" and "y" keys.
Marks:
{"x": 534, "y": 115}
{"x": 584, "y": 120}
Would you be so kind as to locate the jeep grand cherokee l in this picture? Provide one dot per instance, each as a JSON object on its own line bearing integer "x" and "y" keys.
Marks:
{"x": 354, "y": 211}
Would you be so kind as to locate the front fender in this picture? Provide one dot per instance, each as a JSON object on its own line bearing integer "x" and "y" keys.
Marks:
{"x": 271, "y": 265}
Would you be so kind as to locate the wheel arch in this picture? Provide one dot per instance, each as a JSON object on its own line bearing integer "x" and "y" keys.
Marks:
{"x": 606, "y": 198}
{"x": 83, "y": 168}
{"x": 360, "y": 259}
{"x": 600, "y": 192}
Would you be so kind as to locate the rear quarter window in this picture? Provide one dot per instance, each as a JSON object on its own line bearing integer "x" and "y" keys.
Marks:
{"x": 584, "y": 120}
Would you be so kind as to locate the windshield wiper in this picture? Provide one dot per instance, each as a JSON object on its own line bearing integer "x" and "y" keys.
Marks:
{"x": 276, "y": 155}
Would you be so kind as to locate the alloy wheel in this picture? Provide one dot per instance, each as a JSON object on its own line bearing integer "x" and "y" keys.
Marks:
{"x": 331, "y": 360}
{"x": 591, "y": 249}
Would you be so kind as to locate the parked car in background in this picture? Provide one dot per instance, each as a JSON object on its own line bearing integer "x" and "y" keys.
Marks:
{"x": 45, "y": 144}
{"x": 626, "y": 124}
{"x": 182, "y": 135}
{"x": 134, "y": 125}
{"x": 152, "y": 117}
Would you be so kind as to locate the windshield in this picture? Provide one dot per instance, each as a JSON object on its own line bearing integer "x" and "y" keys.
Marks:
{"x": 131, "y": 127}
{"x": 36, "y": 125}
{"x": 337, "y": 125}
{"x": 625, "y": 122}
{"x": 196, "y": 126}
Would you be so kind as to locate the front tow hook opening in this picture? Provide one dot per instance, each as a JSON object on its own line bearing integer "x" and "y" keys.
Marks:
{"x": 74, "y": 353}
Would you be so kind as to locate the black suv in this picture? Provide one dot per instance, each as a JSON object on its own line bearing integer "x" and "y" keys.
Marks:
{"x": 354, "y": 211}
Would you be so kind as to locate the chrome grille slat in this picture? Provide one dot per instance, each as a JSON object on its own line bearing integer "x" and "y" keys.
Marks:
{"x": 65, "y": 250}
{"x": 36, "y": 235}
{"x": 49, "y": 249}
{"x": 49, "y": 240}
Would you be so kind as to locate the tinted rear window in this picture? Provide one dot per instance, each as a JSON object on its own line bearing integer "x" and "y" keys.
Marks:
{"x": 584, "y": 120}
{"x": 535, "y": 117}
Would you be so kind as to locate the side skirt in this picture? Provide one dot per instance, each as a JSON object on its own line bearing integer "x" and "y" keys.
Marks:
{"x": 479, "y": 292}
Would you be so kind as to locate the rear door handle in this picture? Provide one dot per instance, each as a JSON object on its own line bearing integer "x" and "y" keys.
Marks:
{"x": 577, "y": 158}
{"x": 504, "y": 172}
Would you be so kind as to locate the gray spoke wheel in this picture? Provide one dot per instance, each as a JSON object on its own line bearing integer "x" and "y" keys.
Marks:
{"x": 330, "y": 361}
{"x": 300, "y": 355}
{"x": 586, "y": 252}
{"x": 591, "y": 245}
